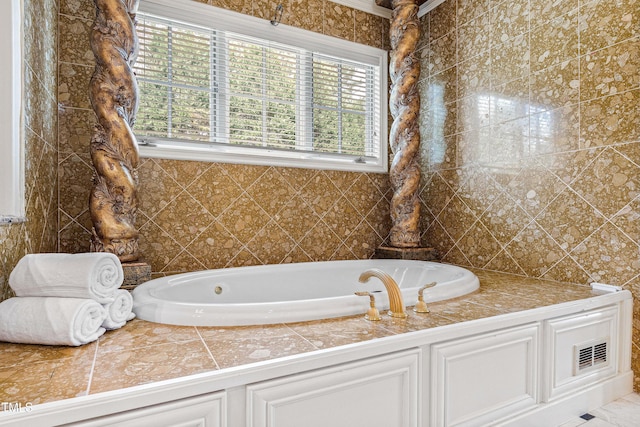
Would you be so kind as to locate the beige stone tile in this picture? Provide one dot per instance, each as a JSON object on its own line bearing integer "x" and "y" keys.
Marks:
{"x": 75, "y": 130}
{"x": 80, "y": 8}
{"x": 75, "y": 173}
{"x": 73, "y": 84}
{"x": 474, "y": 75}
{"x": 470, "y": 9}
{"x": 157, "y": 246}
{"x": 156, "y": 188}
{"x": 241, "y": 6}
{"x": 342, "y": 331}
{"x": 363, "y": 194}
{"x": 478, "y": 245}
{"x": 508, "y": 20}
{"x": 473, "y": 112}
{"x": 271, "y": 245}
{"x": 620, "y": 123}
{"x": 567, "y": 166}
{"x": 368, "y": 29}
{"x": 457, "y": 218}
{"x": 455, "y": 256}
{"x": 254, "y": 346}
{"x": 363, "y": 241}
{"x": 503, "y": 262}
{"x": 75, "y": 34}
{"x": 320, "y": 242}
{"x": 215, "y": 246}
{"x": 442, "y": 53}
{"x": 556, "y": 86}
{"x": 534, "y": 250}
{"x": 608, "y": 256}
{"x": 306, "y": 14}
{"x": 447, "y": 84}
{"x": 609, "y": 183}
{"x": 296, "y": 218}
{"x": 338, "y": 21}
{"x": 140, "y": 333}
{"x": 320, "y": 193}
{"x": 611, "y": 70}
{"x": 567, "y": 270}
{"x": 460, "y": 310}
{"x": 510, "y": 60}
{"x": 555, "y": 131}
{"x": 343, "y": 218}
{"x": 45, "y": 381}
{"x": 554, "y": 42}
{"x": 184, "y": 218}
{"x": 184, "y": 172}
{"x": 474, "y": 37}
{"x": 215, "y": 189}
{"x": 145, "y": 365}
{"x": 534, "y": 188}
{"x": 605, "y": 23}
{"x": 545, "y": 11}
{"x": 504, "y": 219}
{"x": 442, "y": 20}
{"x": 627, "y": 219}
{"x": 183, "y": 262}
{"x": 569, "y": 219}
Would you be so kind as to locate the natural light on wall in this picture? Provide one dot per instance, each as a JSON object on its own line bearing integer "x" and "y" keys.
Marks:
{"x": 221, "y": 86}
{"x": 11, "y": 135}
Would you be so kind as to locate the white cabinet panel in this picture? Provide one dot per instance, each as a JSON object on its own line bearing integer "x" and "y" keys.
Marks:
{"x": 377, "y": 392}
{"x": 202, "y": 411}
{"x": 580, "y": 350}
{"x": 483, "y": 378}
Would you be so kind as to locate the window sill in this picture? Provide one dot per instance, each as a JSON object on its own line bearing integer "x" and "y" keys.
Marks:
{"x": 9, "y": 219}
{"x": 247, "y": 156}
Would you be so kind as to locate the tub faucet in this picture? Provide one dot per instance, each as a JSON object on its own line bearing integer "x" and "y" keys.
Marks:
{"x": 421, "y": 306}
{"x": 396, "y": 305}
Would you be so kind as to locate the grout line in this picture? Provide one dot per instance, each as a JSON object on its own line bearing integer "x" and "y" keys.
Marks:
{"x": 206, "y": 347}
{"x": 93, "y": 367}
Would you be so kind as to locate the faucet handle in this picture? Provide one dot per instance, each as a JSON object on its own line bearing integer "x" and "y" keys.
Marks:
{"x": 372, "y": 313}
{"x": 421, "y": 306}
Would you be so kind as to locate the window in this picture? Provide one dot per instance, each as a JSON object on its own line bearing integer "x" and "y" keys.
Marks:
{"x": 221, "y": 86}
{"x": 11, "y": 143}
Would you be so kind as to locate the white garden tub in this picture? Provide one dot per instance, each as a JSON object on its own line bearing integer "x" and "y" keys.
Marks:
{"x": 290, "y": 292}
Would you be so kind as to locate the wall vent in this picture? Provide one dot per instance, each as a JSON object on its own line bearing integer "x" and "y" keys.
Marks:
{"x": 591, "y": 356}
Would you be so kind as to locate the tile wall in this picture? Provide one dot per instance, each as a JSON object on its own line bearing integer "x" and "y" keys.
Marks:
{"x": 530, "y": 125}
{"x": 39, "y": 232}
{"x": 196, "y": 215}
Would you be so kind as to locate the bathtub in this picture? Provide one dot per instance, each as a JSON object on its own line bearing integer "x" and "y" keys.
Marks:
{"x": 283, "y": 293}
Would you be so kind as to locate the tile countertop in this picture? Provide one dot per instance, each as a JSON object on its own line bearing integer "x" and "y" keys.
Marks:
{"x": 143, "y": 352}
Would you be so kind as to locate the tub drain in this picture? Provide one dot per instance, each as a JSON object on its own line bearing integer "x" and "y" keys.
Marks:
{"x": 218, "y": 290}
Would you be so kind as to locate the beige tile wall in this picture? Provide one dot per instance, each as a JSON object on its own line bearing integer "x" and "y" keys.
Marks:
{"x": 39, "y": 232}
{"x": 195, "y": 215}
{"x": 531, "y": 139}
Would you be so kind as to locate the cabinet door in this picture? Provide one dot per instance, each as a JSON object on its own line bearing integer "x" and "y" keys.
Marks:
{"x": 376, "y": 392}
{"x": 483, "y": 378}
{"x": 201, "y": 411}
{"x": 581, "y": 349}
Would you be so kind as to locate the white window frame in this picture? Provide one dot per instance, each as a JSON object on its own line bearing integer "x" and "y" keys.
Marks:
{"x": 12, "y": 203}
{"x": 204, "y": 15}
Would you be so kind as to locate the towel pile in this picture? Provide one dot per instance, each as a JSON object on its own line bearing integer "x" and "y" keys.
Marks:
{"x": 65, "y": 299}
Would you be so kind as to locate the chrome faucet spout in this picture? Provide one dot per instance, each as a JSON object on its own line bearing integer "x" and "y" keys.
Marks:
{"x": 396, "y": 305}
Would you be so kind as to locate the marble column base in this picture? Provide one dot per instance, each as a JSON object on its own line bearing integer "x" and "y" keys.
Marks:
{"x": 420, "y": 254}
{"x": 135, "y": 273}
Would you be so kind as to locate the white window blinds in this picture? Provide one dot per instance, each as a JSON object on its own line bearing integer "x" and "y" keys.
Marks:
{"x": 203, "y": 87}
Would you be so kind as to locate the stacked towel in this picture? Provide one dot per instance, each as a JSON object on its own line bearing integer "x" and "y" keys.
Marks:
{"x": 94, "y": 275}
{"x": 51, "y": 320}
{"x": 119, "y": 311}
{"x": 65, "y": 299}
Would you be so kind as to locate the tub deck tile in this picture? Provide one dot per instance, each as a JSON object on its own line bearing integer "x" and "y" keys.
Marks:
{"x": 143, "y": 352}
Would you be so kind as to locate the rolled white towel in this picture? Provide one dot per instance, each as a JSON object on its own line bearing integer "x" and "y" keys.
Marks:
{"x": 94, "y": 275}
{"x": 119, "y": 311}
{"x": 51, "y": 320}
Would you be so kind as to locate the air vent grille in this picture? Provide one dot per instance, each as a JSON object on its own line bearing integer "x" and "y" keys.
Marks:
{"x": 590, "y": 356}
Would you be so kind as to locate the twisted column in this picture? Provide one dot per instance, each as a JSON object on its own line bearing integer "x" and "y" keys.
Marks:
{"x": 113, "y": 92}
{"x": 404, "y": 138}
